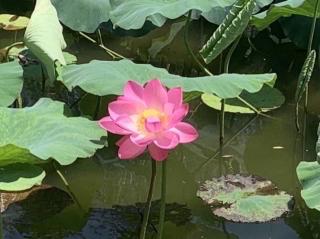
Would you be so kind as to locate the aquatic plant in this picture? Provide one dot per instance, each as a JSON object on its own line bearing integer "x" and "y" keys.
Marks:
{"x": 150, "y": 118}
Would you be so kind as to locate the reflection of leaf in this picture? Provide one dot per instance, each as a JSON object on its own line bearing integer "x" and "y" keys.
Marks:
{"x": 297, "y": 28}
{"x": 159, "y": 43}
{"x": 10, "y": 82}
{"x": 20, "y": 176}
{"x": 44, "y": 37}
{"x": 244, "y": 199}
{"x": 108, "y": 77}
{"x": 47, "y": 133}
{"x": 265, "y": 100}
{"x": 125, "y": 221}
{"x": 32, "y": 206}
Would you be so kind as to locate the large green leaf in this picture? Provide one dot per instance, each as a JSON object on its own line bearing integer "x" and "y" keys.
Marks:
{"x": 244, "y": 199}
{"x": 265, "y": 100}
{"x": 232, "y": 26}
{"x": 87, "y": 15}
{"x": 20, "y": 176}
{"x": 133, "y": 14}
{"x": 284, "y": 9}
{"x": 82, "y": 15}
{"x": 309, "y": 177}
{"x": 44, "y": 37}
{"x": 108, "y": 77}
{"x": 10, "y": 82}
{"x": 46, "y": 133}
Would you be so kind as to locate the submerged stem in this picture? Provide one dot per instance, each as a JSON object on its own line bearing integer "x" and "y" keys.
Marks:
{"x": 163, "y": 199}
{"x": 149, "y": 200}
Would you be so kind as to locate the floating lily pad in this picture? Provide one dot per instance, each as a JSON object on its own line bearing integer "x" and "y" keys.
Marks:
{"x": 266, "y": 99}
{"x": 109, "y": 77}
{"x": 244, "y": 199}
{"x": 10, "y": 82}
{"x": 46, "y": 133}
{"x": 44, "y": 37}
{"x": 12, "y": 22}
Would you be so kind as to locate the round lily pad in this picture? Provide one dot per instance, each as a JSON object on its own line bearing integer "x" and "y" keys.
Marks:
{"x": 245, "y": 198}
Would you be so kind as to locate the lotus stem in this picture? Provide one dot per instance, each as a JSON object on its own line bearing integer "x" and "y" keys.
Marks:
{"x": 67, "y": 185}
{"x": 149, "y": 200}
{"x": 163, "y": 199}
{"x": 313, "y": 27}
{"x": 112, "y": 53}
{"x": 1, "y": 228}
{"x": 10, "y": 47}
{"x": 96, "y": 111}
{"x": 186, "y": 41}
{"x": 223, "y": 101}
{"x": 243, "y": 128}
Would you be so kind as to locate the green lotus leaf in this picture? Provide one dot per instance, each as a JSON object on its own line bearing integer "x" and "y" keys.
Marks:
{"x": 46, "y": 133}
{"x": 20, "y": 176}
{"x": 133, "y": 14}
{"x": 265, "y": 100}
{"x": 244, "y": 199}
{"x": 309, "y": 177}
{"x": 11, "y": 82}
{"x": 284, "y": 9}
{"x": 108, "y": 78}
{"x": 87, "y": 15}
{"x": 13, "y": 23}
{"x": 44, "y": 37}
{"x": 82, "y": 15}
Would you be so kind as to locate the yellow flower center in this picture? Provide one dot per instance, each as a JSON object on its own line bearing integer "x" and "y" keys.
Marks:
{"x": 150, "y": 114}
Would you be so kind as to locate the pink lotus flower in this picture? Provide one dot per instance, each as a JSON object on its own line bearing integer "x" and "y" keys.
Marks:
{"x": 150, "y": 118}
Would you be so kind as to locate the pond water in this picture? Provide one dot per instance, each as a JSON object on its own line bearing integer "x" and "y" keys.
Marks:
{"x": 108, "y": 190}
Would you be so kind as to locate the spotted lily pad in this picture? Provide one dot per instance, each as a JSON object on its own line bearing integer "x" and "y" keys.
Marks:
{"x": 244, "y": 199}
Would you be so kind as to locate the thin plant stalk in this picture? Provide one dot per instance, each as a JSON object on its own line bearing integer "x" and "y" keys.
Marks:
{"x": 163, "y": 199}
{"x": 1, "y": 228}
{"x": 223, "y": 101}
{"x": 112, "y": 53}
{"x": 311, "y": 36}
{"x": 186, "y": 41}
{"x": 97, "y": 109}
{"x": 67, "y": 185}
{"x": 147, "y": 209}
{"x": 316, "y": 9}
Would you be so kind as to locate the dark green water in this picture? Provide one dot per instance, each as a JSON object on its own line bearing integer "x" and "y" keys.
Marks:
{"x": 270, "y": 148}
